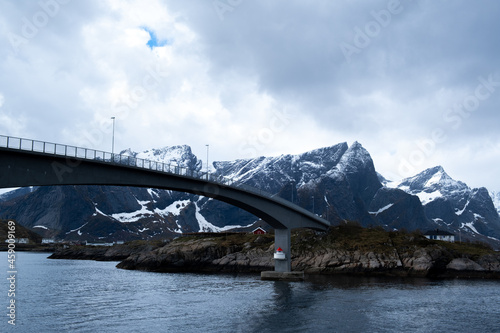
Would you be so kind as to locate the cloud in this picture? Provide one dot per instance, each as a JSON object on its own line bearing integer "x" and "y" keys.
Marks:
{"x": 190, "y": 73}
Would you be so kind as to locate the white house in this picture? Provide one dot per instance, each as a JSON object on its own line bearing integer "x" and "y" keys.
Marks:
{"x": 440, "y": 235}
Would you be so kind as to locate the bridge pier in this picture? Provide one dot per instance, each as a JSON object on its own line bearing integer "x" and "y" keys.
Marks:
{"x": 282, "y": 239}
{"x": 282, "y": 267}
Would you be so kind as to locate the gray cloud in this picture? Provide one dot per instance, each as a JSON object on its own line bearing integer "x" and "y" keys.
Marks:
{"x": 385, "y": 73}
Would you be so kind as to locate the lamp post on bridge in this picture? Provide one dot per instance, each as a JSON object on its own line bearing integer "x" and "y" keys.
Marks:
{"x": 208, "y": 167}
{"x": 113, "y": 137}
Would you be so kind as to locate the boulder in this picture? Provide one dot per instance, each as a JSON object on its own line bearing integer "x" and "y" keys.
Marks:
{"x": 464, "y": 264}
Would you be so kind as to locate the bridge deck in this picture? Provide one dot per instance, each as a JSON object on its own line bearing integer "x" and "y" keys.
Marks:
{"x": 70, "y": 164}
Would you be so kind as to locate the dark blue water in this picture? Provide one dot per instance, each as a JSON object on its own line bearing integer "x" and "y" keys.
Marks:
{"x": 90, "y": 296}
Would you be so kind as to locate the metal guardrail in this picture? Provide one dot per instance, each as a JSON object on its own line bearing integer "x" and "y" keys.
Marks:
{"x": 126, "y": 160}
{"x": 131, "y": 161}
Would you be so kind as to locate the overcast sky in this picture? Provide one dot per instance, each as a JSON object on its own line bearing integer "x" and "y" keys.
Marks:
{"x": 417, "y": 83}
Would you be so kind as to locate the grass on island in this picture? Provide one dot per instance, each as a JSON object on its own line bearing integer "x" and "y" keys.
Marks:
{"x": 351, "y": 237}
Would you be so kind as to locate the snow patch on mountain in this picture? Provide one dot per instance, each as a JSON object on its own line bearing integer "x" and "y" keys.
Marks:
{"x": 40, "y": 226}
{"x": 382, "y": 209}
{"x": 153, "y": 193}
{"x": 174, "y": 208}
{"x": 477, "y": 216}
{"x": 470, "y": 225}
{"x": 133, "y": 216}
{"x": 78, "y": 230}
{"x": 206, "y": 226}
{"x": 461, "y": 211}
{"x": 97, "y": 211}
{"x": 7, "y": 190}
{"x": 426, "y": 197}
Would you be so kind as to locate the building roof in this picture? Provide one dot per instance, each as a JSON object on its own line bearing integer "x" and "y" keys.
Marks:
{"x": 437, "y": 232}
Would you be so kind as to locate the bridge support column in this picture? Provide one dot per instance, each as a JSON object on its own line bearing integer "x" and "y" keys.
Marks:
{"x": 282, "y": 239}
{"x": 282, "y": 267}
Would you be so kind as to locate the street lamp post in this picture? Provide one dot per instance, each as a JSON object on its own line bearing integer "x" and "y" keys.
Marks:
{"x": 313, "y": 204}
{"x": 113, "y": 137}
{"x": 208, "y": 167}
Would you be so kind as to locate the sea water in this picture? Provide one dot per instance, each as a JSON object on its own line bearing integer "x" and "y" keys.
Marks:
{"x": 91, "y": 296}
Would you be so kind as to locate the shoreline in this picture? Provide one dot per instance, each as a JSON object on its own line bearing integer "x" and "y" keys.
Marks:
{"x": 403, "y": 255}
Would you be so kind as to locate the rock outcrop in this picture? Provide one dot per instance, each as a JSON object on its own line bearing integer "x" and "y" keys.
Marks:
{"x": 205, "y": 255}
{"x": 315, "y": 254}
{"x": 103, "y": 253}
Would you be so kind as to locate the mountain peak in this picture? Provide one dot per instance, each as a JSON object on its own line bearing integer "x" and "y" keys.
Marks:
{"x": 431, "y": 184}
{"x": 180, "y": 155}
{"x": 436, "y": 175}
{"x": 356, "y": 145}
{"x": 430, "y": 180}
{"x": 355, "y": 158}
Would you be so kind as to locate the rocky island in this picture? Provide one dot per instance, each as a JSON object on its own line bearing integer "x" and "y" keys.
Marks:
{"x": 345, "y": 249}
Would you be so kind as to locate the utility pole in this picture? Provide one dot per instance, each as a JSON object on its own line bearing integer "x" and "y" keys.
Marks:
{"x": 313, "y": 204}
{"x": 208, "y": 168}
{"x": 113, "y": 137}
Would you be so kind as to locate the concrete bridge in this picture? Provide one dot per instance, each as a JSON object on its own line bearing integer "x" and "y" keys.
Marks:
{"x": 25, "y": 162}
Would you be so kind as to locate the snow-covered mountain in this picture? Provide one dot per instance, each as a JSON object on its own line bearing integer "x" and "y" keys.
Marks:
{"x": 432, "y": 184}
{"x": 338, "y": 183}
{"x": 452, "y": 205}
{"x": 272, "y": 173}
{"x": 335, "y": 182}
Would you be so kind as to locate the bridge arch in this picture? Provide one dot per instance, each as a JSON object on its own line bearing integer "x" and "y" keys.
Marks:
{"x": 22, "y": 164}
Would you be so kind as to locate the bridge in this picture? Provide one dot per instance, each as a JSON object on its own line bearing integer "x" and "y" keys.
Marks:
{"x": 26, "y": 162}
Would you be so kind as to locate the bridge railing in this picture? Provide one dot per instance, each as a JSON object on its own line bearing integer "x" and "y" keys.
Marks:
{"x": 131, "y": 161}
